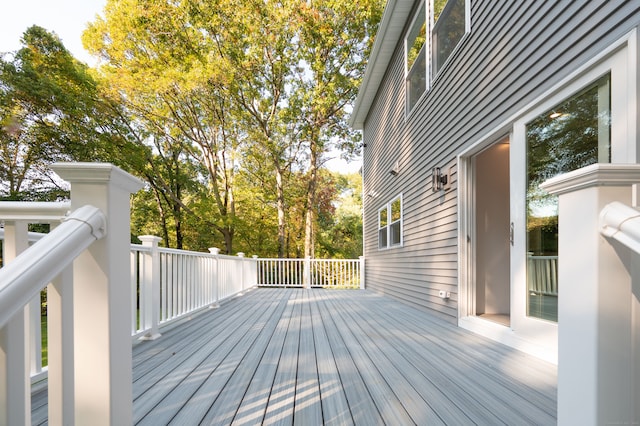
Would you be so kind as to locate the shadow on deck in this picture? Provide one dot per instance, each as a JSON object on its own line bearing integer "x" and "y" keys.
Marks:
{"x": 332, "y": 357}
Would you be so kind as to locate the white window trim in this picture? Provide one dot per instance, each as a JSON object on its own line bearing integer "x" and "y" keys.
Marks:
{"x": 387, "y": 206}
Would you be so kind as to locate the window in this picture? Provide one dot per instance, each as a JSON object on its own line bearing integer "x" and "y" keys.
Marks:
{"x": 450, "y": 26}
{"x": 446, "y": 27}
{"x": 390, "y": 224}
{"x": 416, "y": 59}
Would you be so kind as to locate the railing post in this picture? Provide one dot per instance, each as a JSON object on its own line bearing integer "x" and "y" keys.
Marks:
{"x": 102, "y": 338}
{"x": 15, "y": 383}
{"x": 150, "y": 289}
{"x": 216, "y": 279}
{"x": 596, "y": 357}
{"x": 306, "y": 273}
{"x": 241, "y": 256}
{"x": 254, "y": 268}
{"x": 60, "y": 348}
{"x": 361, "y": 273}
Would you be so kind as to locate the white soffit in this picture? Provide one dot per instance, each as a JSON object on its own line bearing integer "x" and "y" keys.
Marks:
{"x": 393, "y": 21}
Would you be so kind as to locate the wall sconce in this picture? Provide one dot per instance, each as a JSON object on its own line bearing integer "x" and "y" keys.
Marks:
{"x": 396, "y": 169}
{"x": 438, "y": 181}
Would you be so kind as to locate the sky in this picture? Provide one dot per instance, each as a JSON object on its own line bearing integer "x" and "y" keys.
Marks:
{"x": 67, "y": 18}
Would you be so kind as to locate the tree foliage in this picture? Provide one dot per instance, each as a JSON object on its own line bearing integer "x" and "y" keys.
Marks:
{"x": 227, "y": 108}
{"x": 48, "y": 112}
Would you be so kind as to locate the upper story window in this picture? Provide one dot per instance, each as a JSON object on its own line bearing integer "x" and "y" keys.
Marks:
{"x": 390, "y": 224}
{"x": 416, "y": 51}
{"x": 437, "y": 28}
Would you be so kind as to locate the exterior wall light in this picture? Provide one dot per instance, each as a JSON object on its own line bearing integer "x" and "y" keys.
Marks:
{"x": 438, "y": 180}
{"x": 396, "y": 169}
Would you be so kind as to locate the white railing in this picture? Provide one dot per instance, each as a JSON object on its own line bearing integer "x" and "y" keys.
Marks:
{"x": 89, "y": 371}
{"x": 338, "y": 273}
{"x": 24, "y": 277}
{"x": 542, "y": 275}
{"x": 169, "y": 284}
{"x": 21, "y": 281}
{"x": 622, "y": 223}
{"x": 598, "y": 329}
{"x": 90, "y": 315}
{"x": 44, "y": 213}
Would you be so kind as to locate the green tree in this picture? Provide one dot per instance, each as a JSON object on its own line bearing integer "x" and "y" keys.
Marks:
{"x": 166, "y": 73}
{"x": 260, "y": 57}
{"x": 334, "y": 40}
{"x": 251, "y": 94}
{"x": 340, "y": 234}
{"x": 49, "y": 111}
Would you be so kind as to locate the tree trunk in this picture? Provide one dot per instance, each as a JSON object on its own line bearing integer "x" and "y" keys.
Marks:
{"x": 177, "y": 217}
{"x": 309, "y": 223}
{"x": 281, "y": 213}
{"x": 228, "y": 240}
{"x": 163, "y": 217}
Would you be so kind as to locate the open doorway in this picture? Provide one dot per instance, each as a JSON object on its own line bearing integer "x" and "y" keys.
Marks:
{"x": 491, "y": 222}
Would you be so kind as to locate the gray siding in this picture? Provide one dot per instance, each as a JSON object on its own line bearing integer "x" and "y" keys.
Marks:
{"x": 516, "y": 50}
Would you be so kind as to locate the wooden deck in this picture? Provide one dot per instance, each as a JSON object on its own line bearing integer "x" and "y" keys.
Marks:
{"x": 293, "y": 356}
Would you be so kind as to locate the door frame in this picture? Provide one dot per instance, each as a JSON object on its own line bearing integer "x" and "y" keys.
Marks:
{"x": 467, "y": 228}
{"x": 466, "y": 244}
{"x": 532, "y": 335}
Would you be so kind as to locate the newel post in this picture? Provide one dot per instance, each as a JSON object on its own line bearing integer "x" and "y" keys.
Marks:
{"x": 306, "y": 273}
{"x": 595, "y": 321}
{"x": 150, "y": 288}
{"x": 242, "y": 284}
{"x": 254, "y": 271}
{"x": 102, "y": 308}
{"x": 362, "y": 287}
{"x": 216, "y": 278}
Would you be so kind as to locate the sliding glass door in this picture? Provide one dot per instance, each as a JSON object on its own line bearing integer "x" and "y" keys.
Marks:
{"x": 573, "y": 134}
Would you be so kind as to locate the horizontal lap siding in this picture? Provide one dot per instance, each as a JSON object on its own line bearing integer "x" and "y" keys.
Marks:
{"x": 514, "y": 53}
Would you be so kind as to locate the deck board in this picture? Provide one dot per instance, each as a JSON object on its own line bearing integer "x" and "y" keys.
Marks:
{"x": 293, "y": 356}
{"x": 335, "y": 409}
{"x": 307, "y": 404}
{"x": 252, "y": 408}
{"x": 281, "y": 402}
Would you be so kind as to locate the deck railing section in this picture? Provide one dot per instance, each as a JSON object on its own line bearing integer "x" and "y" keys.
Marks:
{"x": 40, "y": 213}
{"x": 26, "y": 271}
{"x": 89, "y": 368}
{"x": 88, "y": 319}
{"x": 169, "y": 284}
{"x": 325, "y": 273}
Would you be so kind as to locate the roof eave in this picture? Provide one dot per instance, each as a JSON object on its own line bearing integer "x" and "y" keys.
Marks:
{"x": 393, "y": 21}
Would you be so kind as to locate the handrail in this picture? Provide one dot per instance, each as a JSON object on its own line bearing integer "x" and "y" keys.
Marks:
{"x": 24, "y": 277}
{"x": 622, "y": 223}
{"x": 34, "y": 210}
{"x": 33, "y": 236}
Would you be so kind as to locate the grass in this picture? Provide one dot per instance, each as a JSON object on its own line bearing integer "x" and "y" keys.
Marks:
{"x": 45, "y": 346}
